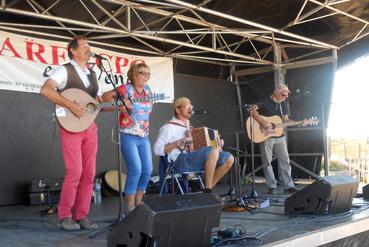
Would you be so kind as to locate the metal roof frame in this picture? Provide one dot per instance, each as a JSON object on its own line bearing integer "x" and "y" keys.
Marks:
{"x": 184, "y": 29}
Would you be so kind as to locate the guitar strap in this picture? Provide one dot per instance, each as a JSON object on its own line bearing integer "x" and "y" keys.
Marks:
{"x": 280, "y": 109}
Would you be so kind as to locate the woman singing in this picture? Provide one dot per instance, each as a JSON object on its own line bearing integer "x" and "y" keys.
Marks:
{"x": 134, "y": 131}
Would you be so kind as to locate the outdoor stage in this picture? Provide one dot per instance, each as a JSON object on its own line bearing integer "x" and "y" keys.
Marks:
{"x": 23, "y": 226}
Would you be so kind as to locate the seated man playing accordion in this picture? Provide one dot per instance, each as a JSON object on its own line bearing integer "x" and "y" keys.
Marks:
{"x": 174, "y": 140}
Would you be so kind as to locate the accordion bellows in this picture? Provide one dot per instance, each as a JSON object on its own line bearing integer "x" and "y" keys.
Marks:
{"x": 204, "y": 137}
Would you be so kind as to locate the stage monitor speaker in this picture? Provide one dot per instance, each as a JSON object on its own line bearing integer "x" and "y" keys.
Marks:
{"x": 329, "y": 195}
{"x": 185, "y": 220}
{"x": 366, "y": 192}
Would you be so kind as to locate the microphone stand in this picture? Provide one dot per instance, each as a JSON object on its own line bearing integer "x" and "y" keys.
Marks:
{"x": 242, "y": 202}
{"x": 325, "y": 148}
{"x": 253, "y": 194}
{"x": 118, "y": 98}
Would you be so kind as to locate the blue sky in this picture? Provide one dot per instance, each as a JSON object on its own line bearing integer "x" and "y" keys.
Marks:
{"x": 349, "y": 117}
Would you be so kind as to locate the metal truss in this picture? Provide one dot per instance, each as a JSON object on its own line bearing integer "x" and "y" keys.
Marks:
{"x": 313, "y": 15}
{"x": 179, "y": 29}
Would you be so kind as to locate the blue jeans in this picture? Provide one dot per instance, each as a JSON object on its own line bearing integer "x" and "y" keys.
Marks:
{"x": 195, "y": 161}
{"x": 136, "y": 152}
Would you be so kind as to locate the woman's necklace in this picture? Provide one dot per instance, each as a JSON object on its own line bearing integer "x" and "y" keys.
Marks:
{"x": 137, "y": 91}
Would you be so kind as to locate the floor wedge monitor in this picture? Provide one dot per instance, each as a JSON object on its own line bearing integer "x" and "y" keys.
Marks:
{"x": 172, "y": 220}
{"x": 366, "y": 192}
{"x": 329, "y": 195}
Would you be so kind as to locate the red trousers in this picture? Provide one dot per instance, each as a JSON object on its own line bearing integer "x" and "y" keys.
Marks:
{"x": 79, "y": 153}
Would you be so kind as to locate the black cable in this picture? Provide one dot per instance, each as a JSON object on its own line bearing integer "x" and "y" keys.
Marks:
{"x": 52, "y": 144}
{"x": 306, "y": 219}
{"x": 314, "y": 219}
{"x": 238, "y": 233}
{"x": 50, "y": 206}
{"x": 253, "y": 241}
{"x": 242, "y": 230}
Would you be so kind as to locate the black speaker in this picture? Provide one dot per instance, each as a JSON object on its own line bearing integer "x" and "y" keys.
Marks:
{"x": 184, "y": 220}
{"x": 366, "y": 192}
{"x": 329, "y": 195}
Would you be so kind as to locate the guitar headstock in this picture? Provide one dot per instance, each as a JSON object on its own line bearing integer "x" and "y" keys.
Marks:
{"x": 313, "y": 121}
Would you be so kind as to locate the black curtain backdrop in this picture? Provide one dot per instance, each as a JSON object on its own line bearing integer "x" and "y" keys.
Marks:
{"x": 29, "y": 150}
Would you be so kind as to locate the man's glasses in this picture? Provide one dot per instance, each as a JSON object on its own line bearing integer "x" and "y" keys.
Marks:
{"x": 187, "y": 106}
{"x": 284, "y": 94}
{"x": 146, "y": 74}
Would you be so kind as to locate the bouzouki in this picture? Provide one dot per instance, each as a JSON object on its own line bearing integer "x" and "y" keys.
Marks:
{"x": 276, "y": 127}
{"x": 77, "y": 124}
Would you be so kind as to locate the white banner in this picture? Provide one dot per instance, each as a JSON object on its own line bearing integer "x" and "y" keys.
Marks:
{"x": 26, "y": 62}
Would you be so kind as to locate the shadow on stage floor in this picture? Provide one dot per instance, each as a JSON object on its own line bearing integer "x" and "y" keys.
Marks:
{"x": 22, "y": 225}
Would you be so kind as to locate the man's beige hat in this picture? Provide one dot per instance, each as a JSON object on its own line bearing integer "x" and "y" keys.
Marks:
{"x": 180, "y": 102}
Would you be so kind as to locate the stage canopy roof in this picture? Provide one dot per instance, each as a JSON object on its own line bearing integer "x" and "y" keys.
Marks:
{"x": 243, "y": 33}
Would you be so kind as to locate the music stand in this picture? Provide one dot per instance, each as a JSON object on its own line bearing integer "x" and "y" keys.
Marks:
{"x": 118, "y": 100}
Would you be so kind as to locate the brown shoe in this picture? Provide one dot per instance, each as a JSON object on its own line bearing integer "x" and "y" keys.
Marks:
{"x": 85, "y": 223}
{"x": 68, "y": 224}
{"x": 291, "y": 190}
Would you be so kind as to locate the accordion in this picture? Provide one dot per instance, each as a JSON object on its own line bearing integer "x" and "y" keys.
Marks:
{"x": 204, "y": 137}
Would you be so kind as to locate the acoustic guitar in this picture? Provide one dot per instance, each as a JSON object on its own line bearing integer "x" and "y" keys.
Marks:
{"x": 77, "y": 124}
{"x": 276, "y": 127}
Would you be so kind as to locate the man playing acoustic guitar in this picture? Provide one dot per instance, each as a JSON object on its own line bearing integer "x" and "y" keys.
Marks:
{"x": 275, "y": 105}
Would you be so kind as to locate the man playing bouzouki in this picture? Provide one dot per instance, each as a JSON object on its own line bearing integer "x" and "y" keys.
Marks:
{"x": 275, "y": 105}
{"x": 79, "y": 149}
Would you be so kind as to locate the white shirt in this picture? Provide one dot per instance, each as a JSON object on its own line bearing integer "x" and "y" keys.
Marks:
{"x": 170, "y": 133}
{"x": 60, "y": 75}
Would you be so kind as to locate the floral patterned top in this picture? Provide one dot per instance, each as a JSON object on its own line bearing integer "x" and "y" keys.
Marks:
{"x": 137, "y": 122}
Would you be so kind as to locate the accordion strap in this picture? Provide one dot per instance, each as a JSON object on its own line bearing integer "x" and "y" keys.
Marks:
{"x": 181, "y": 125}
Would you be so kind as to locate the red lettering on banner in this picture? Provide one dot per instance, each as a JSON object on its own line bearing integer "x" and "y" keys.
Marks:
{"x": 137, "y": 61}
{"x": 118, "y": 64}
{"x": 30, "y": 53}
{"x": 7, "y": 43}
{"x": 55, "y": 55}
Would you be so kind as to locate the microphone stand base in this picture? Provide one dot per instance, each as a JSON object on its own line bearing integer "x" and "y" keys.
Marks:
{"x": 231, "y": 192}
{"x": 235, "y": 209}
{"x": 254, "y": 194}
{"x": 243, "y": 204}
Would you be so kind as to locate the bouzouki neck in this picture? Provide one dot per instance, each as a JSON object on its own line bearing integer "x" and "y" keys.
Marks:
{"x": 148, "y": 98}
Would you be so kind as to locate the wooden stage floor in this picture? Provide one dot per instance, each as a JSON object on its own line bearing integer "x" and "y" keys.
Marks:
{"x": 22, "y": 225}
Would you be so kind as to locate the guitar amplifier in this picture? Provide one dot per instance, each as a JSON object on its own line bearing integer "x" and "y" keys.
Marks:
{"x": 43, "y": 185}
{"x": 43, "y": 198}
{"x": 204, "y": 137}
{"x": 44, "y": 191}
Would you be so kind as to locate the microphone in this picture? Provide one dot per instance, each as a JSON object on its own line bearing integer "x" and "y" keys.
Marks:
{"x": 99, "y": 57}
{"x": 302, "y": 92}
{"x": 199, "y": 112}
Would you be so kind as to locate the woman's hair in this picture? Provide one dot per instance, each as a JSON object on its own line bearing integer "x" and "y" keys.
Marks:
{"x": 134, "y": 69}
{"x": 73, "y": 44}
